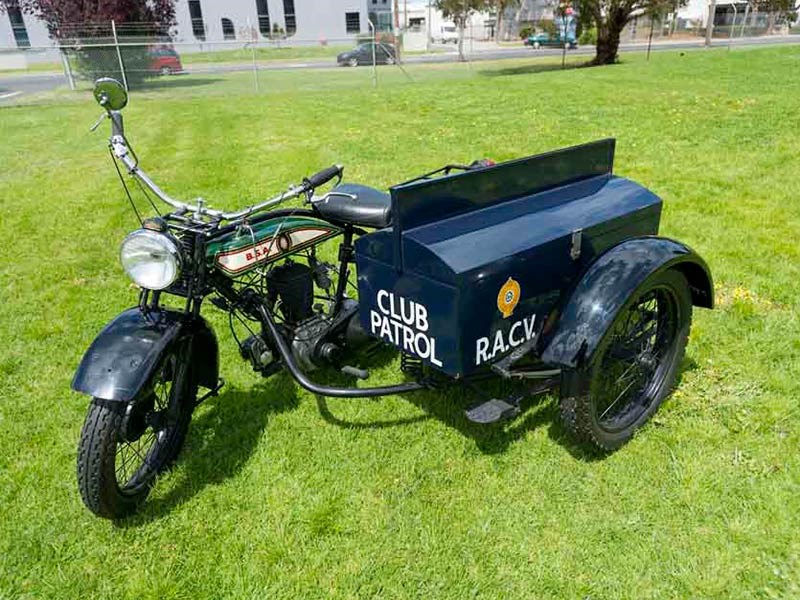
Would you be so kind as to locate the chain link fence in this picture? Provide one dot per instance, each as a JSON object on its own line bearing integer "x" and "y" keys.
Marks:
{"x": 245, "y": 60}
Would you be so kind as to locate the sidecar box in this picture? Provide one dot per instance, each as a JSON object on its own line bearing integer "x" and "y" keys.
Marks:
{"x": 474, "y": 263}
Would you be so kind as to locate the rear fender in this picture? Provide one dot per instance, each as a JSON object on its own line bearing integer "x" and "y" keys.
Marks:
{"x": 606, "y": 286}
{"x": 122, "y": 357}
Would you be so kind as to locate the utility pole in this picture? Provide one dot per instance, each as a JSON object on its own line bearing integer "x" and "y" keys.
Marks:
{"x": 428, "y": 23}
{"x": 712, "y": 10}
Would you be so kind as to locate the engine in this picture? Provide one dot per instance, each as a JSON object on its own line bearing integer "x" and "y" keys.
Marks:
{"x": 316, "y": 338}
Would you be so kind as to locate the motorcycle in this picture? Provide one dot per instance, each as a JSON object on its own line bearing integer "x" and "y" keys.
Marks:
{"x": 545, "y": 271}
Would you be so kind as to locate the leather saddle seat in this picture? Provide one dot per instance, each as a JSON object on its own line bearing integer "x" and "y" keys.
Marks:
{"x": 363, "y": 206}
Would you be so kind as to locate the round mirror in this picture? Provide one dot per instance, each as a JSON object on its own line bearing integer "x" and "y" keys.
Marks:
{"x": 110, "y": 94}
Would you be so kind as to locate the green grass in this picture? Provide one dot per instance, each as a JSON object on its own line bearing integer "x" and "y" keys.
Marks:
{"x": 42, "y": 67}
{"x": 280, "y": 495}
{"x": 274, "y": 53}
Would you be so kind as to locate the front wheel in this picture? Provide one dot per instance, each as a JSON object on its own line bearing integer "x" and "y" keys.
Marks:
{"x": 634, "y": 368}
{"x": 353, "y": 62}
{"x": 125, "y": 445}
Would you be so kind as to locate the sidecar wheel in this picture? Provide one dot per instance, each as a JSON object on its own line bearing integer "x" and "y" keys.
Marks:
{"x": 635, "y": 366}
{"x": 125, "y": 446}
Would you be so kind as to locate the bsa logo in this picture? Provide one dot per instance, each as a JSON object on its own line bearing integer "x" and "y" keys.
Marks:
{"x": 508, "y": 297}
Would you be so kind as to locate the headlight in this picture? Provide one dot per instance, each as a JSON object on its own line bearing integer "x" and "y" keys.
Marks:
{"x": 151, "y": 259}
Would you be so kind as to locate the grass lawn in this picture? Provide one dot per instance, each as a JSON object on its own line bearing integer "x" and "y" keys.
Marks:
{"x": 271, "y": 53}
{"x": 281, "y": 495}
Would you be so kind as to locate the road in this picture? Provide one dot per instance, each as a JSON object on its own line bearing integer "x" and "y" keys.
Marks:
{"x": 13, "y": 87}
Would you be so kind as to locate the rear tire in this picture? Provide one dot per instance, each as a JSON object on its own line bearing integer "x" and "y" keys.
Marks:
{"x": 145, "y": 435}
{"x": 646, "y": 344}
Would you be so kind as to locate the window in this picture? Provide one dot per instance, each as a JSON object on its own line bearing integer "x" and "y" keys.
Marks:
{"x": 263, "y": 17}
{"x": 228, "y": 30}
{"x": 196, "y": 15}
{"x": 18, "y": 26}
{"x": 352, "y": 22}
{"x": 288, "y": 16}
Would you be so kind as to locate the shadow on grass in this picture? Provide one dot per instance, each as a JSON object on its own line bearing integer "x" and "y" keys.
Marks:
{"x": 538, "y": 408}
{"x": 530, "y": 69}
{"x": 223, "y": 435}
{"x": 172, "y": 82}
{"x": 448, "y": 405}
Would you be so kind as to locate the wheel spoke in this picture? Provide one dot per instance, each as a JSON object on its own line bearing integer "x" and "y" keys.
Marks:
{"x": 631, "y": 360}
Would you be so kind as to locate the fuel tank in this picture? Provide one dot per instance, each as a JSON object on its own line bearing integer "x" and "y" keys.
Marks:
{"x": 266, "y": 241}
{"x": 475, "y": 263}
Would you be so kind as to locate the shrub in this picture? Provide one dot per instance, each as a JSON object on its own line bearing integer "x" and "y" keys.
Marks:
{"x": 588, "y": 36}
{"x": 526, "y": 32}
{"x": 548, "y": 27}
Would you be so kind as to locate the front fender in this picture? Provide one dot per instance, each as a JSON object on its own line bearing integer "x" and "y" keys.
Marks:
{"x": 606, "y": 286}
{"x": 123, "y": 355}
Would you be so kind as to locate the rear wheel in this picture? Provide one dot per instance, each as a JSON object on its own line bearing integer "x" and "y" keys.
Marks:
{"x": 124, "y": 446}
{"x": 390, "y": 60}
{"x": 634, "y": 368}
{"x": 165, "y": 71}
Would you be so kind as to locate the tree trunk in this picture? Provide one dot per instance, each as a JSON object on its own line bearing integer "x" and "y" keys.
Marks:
{"x": 461, "y": 41}
{"x": 608, "y": 39}
{"x": 771, "y": 23}
{"x": 606, "y": 50}
{"x": 499, "y": 22}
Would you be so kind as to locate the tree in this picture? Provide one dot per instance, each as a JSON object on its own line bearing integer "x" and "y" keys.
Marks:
{"x": 775, "y": 9}
{"x": 500, "y": 7}
{"x": 66, "y": 18}
{"x": 78, "y": 23}
{"x": 610, "y": 18}
{"x": 459, "y": 11}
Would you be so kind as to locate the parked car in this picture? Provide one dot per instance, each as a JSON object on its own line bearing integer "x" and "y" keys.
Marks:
{"x": 447, "y": 34}
{"x": 537, "y": 40}
{"x": 164, "y": 60}
{"x": 384, "y": 54}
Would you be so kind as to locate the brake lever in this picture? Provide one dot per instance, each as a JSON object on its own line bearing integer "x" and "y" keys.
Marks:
{"x": 100, "y": 120}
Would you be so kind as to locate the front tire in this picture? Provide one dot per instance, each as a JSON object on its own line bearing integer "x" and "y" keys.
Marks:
{"x": 634, "y": 368}
{"x": 353, "y": 62}
{"x": 124, "y": 446}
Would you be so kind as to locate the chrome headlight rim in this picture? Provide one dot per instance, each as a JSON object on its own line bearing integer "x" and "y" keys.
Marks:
{"x": 161, "y": 241}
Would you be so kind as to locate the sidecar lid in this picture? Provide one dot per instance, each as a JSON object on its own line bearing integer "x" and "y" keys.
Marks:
{"x": 490, "y": 236}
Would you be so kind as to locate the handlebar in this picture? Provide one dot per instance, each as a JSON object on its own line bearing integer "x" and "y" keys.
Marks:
{"x": 324, "y": 176}
{"x": 119, "y": 147}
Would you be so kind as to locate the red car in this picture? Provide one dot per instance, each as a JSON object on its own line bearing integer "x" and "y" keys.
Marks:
{"x": 165, "y": 60}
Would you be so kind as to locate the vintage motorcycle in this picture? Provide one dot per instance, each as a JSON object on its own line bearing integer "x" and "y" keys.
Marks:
{"x": 544, "y": 270}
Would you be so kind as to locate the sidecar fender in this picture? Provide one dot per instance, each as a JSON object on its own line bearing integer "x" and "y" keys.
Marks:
{"x": 605, "y": 287}
{"x": 123, "y": 355}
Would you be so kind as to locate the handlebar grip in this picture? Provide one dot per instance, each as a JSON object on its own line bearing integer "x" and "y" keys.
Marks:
{"x": 324, "y": 176}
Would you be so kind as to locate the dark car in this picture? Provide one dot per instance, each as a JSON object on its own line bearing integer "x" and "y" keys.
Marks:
{"x": 165, "y": 60}
{"x": 385, "y": 54}
{"x": 538, "y": 40}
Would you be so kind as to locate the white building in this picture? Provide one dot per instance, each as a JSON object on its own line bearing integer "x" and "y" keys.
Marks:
{"x": 206, "y": 21}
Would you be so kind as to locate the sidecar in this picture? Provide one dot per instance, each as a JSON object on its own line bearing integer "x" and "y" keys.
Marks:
{"x": 529, "y": 261}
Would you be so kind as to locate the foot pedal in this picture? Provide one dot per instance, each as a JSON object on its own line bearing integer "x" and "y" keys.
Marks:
{"x": 492, "y": 411}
